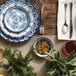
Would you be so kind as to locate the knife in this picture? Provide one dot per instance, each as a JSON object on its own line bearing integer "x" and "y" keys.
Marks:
{"x": 71, "y": 25}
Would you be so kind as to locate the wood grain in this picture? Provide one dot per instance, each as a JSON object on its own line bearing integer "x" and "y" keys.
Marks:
{"x": 1, "y": 1}
{"x": 49, "y": 15}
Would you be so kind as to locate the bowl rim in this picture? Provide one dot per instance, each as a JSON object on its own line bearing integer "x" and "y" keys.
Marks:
{"x": 50, "y": 42}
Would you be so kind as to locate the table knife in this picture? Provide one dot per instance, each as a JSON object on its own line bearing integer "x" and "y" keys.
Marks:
{"x": 71, "y": 25}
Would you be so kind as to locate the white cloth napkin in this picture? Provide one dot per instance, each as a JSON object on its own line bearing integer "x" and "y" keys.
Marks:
{"x": 61, "y": 19}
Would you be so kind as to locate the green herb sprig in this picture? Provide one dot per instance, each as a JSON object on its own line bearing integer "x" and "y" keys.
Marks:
{"x": 59, "y": 66}
{"x": 17, "y": 64}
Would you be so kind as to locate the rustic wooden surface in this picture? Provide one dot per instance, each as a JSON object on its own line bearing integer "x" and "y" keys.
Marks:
{"x": 50, "y": 14}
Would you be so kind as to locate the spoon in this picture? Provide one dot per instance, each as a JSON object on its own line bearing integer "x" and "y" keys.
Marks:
{"x": 65, "y": 26}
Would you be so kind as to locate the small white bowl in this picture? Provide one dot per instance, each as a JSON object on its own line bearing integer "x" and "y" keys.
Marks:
{"x": 50, "y": 43}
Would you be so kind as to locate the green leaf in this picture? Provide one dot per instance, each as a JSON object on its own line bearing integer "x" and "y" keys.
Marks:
{"x": 57, "y": 55}
{"x": 71, "y": 57}
{"x": 73, "y": 73}
{"x": 71, "y": 66}
{"x": 51, "y": 73}
{"x": 62, "y": 69}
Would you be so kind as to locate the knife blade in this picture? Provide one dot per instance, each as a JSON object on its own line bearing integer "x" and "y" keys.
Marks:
{"x": 71, "y": 25}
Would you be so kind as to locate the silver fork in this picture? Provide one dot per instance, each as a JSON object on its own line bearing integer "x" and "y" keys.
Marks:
{"x": 41, "y": 27}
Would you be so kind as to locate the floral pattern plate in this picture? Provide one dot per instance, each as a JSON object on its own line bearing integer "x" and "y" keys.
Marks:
{"x": 18, "y": 20}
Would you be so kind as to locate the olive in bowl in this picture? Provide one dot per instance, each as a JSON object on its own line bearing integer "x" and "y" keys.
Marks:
{"x": 43, "y": 47}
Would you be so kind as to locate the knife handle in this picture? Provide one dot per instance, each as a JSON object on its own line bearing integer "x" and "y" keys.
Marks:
{"x": 71, "y": 28}
{"x": 71, "y": 25}
{"x": 71, "y": 5}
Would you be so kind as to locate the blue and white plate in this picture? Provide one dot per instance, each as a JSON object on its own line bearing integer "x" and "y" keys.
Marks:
{"x": 18, "y": 20}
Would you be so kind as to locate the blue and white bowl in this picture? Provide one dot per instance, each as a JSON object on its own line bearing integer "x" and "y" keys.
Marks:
{"x": 50, "y": 43}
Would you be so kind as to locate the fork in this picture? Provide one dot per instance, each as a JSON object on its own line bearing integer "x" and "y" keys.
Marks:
{"x": 41, "y": 27}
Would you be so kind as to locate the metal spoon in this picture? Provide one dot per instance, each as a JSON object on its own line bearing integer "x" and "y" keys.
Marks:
{"x": 41, "y": 28}
{"x": 65, "y": 26}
